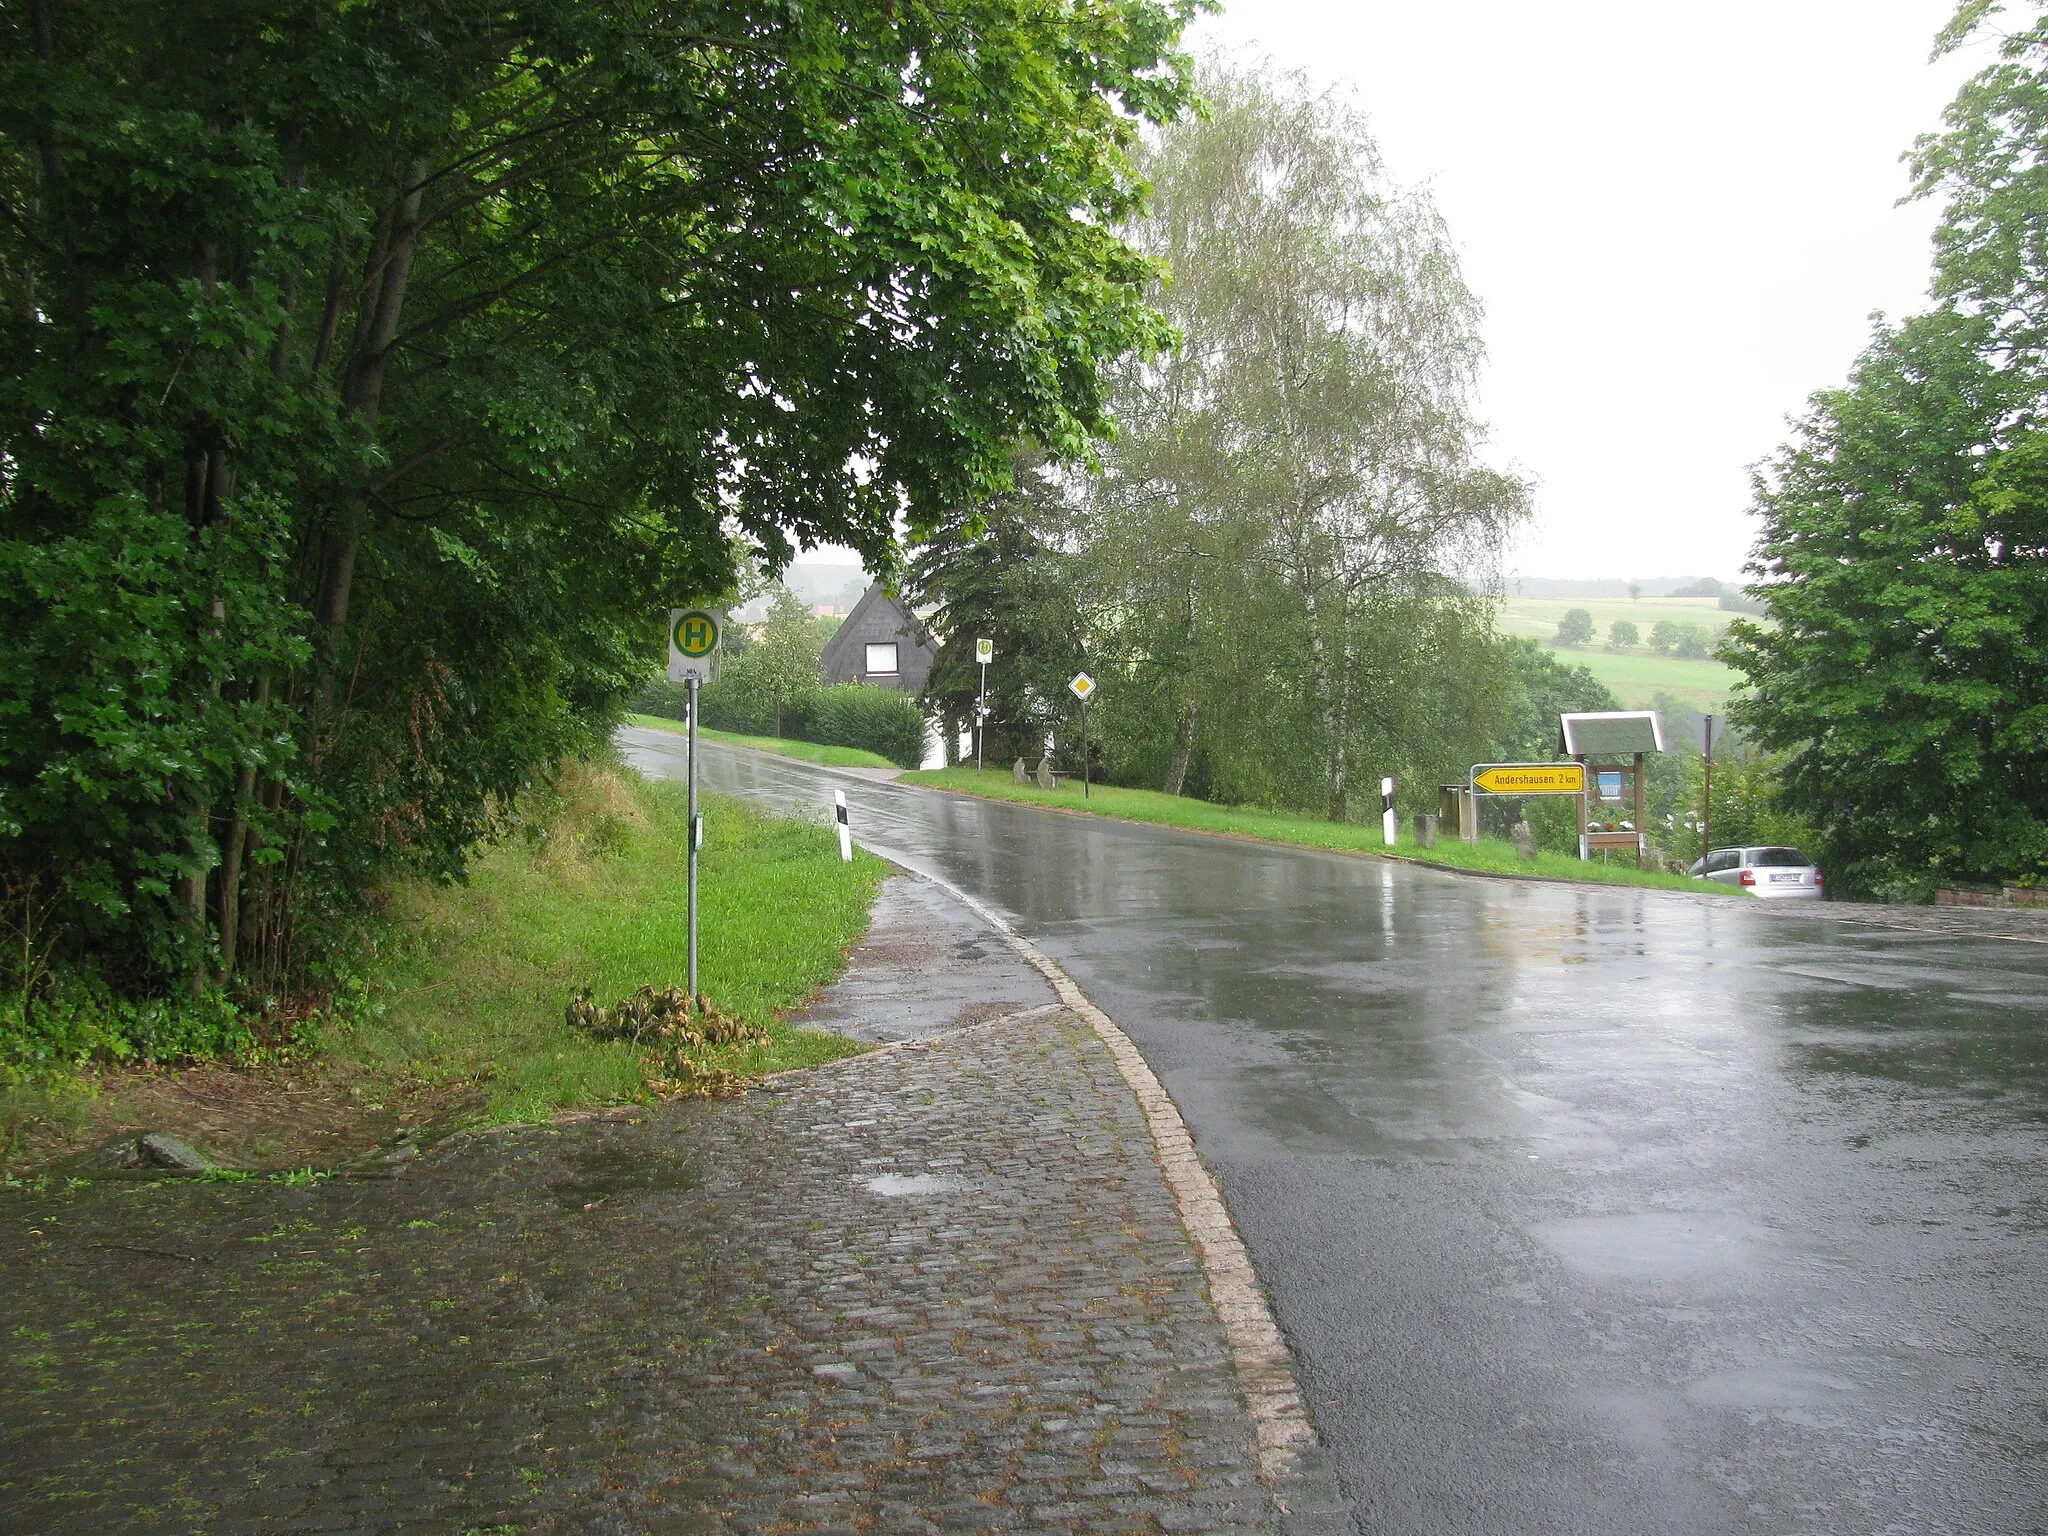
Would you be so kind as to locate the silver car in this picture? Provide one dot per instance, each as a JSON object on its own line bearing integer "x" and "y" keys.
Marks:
{"x": 1782, "y": 873}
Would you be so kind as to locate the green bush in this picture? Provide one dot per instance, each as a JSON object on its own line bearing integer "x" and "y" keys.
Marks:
{"x": 873, "y": 719}
{"x": 848, "y": 715}
{"x": 658, "y": 696}
{"x": 78, "y": 1021}
{"x": 1575, "y": 628}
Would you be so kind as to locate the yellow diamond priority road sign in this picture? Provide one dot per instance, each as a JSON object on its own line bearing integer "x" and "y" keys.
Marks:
{"x": 1530, "y": 779}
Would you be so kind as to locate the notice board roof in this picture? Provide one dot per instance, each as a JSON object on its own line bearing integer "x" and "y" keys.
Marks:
{"x": 1610, "y": 733}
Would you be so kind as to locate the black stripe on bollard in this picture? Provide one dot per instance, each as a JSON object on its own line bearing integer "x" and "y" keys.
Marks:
{"x": 840, "y": 812}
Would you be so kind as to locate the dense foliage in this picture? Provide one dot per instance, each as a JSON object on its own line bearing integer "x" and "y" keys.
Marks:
{"x": 1003, "y": 572}
{"x": 877, "y": 720}
{"x": 1906, "y": 675}
{"x": 372, "y": 375}
{"x": 1904, "y": 557}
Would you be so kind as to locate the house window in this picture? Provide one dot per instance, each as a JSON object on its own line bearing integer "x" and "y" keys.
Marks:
{"x": 882, "y": 660}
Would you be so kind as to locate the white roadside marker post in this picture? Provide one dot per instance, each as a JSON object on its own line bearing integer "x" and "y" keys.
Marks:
{"x": 845, "y": 831}
{"x": 1389, "y": 822}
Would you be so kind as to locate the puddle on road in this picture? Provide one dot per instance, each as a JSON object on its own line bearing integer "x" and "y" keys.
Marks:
{"x": 1653, "y": 1245}
{"x": 1772, "y": 1386}
{"x": 598, "y": 1173}
{"x": 896, "y": 1186}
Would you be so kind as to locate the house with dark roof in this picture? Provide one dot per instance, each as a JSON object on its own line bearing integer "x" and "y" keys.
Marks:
{"x": 882, "y": 643}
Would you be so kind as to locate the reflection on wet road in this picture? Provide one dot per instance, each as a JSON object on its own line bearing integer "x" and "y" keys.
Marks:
{"x": 1586, "y": 1211}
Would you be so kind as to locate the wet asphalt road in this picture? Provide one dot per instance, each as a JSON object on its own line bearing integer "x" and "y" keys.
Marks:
{"x": 1585, "y": 1211}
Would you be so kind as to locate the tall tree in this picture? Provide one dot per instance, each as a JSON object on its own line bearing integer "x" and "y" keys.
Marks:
{"x": 998, "y": 572}
{"x": 1904, "y": 554}
{"x": 782, "y": 663}
{"x": 1292, "y": 486}
{"x": 1904, "y": 559}
{"x": 370, "y": 373}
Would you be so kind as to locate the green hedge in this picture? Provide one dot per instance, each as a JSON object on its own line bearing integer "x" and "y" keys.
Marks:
{"x": 849, "y": 715}
{"x": 873, "y": 719}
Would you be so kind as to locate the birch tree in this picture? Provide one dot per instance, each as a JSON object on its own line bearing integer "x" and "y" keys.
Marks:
{"x": 1295, "y": 485}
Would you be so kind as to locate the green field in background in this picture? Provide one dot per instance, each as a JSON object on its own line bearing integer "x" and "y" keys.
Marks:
{"x": 1639, "y": 674}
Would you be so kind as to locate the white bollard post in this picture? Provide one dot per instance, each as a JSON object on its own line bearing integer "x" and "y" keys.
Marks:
{"x": 845, "y": 831}
{"x": 1389, "y": 823}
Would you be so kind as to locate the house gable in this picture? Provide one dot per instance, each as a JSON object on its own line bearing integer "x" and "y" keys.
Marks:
{"x": 878, "y": 622}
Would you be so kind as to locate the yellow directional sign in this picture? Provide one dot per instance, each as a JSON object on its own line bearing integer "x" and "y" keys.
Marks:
{"x": 1531, "y": 779}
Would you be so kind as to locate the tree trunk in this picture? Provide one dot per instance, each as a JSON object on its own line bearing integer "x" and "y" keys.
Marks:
{"x": 1336, "y": 670}
{"x": 229, "y": 914}
{"x": 363, "y": 394}
{"x": 1183, "y": 749}
{"x": 199, "y": 844}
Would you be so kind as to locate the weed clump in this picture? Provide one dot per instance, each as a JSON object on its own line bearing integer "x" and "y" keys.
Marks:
{"x": 689, "y": 1050}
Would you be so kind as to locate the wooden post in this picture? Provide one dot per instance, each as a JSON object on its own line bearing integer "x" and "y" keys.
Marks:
{"x": 1642, "y": 831}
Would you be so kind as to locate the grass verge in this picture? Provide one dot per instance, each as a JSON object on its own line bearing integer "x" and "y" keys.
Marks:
{"x": 464, "y": 1019}
{"x": 809, "y": 751}
{"x": 1490, "y": 856}
{"x": 478, "y": 989}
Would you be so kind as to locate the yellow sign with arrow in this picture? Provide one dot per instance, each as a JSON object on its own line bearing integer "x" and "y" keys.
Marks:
{"x": 1530, "y": 779}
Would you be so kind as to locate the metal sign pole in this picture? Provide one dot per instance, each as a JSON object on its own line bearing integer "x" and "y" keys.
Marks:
{"x": 1084, "y": 749}
{"x": 1707, "y": 800}
{"x": 696, "y": 837}
{"x": 981, "y": 718}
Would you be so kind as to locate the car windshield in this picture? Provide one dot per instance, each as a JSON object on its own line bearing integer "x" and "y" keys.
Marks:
{"x": 1778, "y": 858}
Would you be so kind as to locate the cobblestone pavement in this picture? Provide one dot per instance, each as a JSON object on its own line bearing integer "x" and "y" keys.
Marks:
{"x": 926, "y": 965}
{"x": 940, "y": 1288}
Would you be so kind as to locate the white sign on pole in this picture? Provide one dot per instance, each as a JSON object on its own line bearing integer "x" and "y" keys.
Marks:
{"x": 984, "y": 651}
{"x": 693, "y": 636}
{"x": 1081, "y": 686}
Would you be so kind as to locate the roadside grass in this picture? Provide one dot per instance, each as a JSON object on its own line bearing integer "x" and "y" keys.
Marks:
{"x": 1490, "y": 856}
{"x": 808, "y": 751}
{"x": 475, "y": 990}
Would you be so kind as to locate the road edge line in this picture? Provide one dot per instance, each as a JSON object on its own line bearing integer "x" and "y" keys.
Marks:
{"x": 1259, "y": 1353}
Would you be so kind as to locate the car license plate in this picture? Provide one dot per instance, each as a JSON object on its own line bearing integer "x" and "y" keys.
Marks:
{"x": 1782, "y": 879}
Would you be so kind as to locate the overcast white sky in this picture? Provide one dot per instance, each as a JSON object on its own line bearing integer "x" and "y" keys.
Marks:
{"x": 1679, "y": 219}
